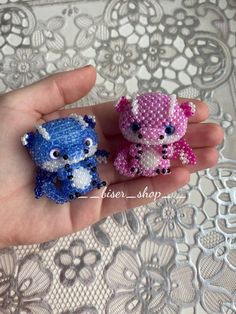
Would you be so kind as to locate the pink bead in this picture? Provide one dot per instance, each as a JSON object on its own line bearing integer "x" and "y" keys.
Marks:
{"x": 153, "y": 125}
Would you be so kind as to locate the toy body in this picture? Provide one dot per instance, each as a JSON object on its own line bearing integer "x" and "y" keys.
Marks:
{"x": 153, "y": 125}
{"x": 66, "y": 155}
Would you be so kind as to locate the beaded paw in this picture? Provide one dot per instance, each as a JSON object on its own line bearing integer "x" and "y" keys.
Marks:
{"x": 65, "y": 152}
{"x": 153, "y": 125}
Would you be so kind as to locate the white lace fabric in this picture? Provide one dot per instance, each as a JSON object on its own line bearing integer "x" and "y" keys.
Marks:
{"x": 177, "y": 255}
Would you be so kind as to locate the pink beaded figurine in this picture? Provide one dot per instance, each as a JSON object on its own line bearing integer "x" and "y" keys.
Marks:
{"x": 154, "y": 125}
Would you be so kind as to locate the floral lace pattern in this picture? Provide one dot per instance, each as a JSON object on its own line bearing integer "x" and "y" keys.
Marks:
{"x": 169, "y": 216}
{"x": 149, "y": 281}
{"x": 177, "y": 255}
{"x": 23, "y": 68}
{"x": 77, "y": 263}
{"x": 23, "y": 284}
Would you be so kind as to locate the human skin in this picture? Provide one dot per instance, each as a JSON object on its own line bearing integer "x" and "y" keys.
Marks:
{"x": 26, "y": 220}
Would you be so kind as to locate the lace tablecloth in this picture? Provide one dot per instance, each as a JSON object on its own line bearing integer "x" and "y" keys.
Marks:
{"x": 187, "y": 47}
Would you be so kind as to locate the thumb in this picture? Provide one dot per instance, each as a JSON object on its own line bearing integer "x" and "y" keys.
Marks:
{"x": 53, "y": 92}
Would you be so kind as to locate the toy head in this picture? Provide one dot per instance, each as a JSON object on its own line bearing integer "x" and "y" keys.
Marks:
{"x": 62, "y": 141}
{"x": 154, "y": 118}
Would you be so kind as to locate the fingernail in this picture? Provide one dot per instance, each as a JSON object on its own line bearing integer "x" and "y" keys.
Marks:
{"x": 87, "y": 66}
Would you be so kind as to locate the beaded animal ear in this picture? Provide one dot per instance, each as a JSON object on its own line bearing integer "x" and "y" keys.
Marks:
{"x": 27, "y": 140}
{"x": 153, "y": 125}
{"x": 66, "y": 154}
{"x": 122, "y": 103}
{"x": 84, "y": 121}
{"x": 189, "y": 108}
{"x": 91, "y": 120}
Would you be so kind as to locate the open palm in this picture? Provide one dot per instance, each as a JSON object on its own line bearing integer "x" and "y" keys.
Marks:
{"x": 24, "y": 219}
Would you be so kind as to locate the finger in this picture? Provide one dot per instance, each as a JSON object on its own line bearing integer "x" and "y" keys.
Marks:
{"x": 133, "y": 191}
{"x": 65, "y": 219}
{"x": 198, "y": 135}
{"x": 86, "y": 210}
{"x": 204, "y": 135}
{"x": 52, "y": 93}
{"x": 107, "y": 116}
{"x": 54, "y": 220}
{"x": 206, "y": 158}
{"x": 114, "y": 202}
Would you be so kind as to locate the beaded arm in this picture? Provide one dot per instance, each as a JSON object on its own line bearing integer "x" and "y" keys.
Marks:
{"x": 101, "y": 156}
{"x": 166, "y": 151}
{"x": 41, "y": 178}
{"x": 126, "y": 161}
{"x": 184, "y": 152}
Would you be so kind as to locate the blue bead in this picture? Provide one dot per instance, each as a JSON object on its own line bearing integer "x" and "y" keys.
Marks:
{"x": 62, "y": 157}
{"x": 170, "y": 129}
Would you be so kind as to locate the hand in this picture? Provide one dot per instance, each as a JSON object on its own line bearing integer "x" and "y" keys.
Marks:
{"x": 24, "y": 219}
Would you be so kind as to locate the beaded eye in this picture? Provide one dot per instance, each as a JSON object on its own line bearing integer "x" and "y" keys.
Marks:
{"x": 55, "y": 153}
{"x": 170, "y": 129}
{"x": 135, "y": 126}
{"x": 88, "y": 142}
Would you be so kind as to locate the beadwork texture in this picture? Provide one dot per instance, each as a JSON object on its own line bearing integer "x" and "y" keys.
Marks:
{"x": 154, "y": 125}
{"x": 65, "y": 152}
{"x": 190, "y": 51}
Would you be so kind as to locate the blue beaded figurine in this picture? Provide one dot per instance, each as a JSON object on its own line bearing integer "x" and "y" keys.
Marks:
{"x": 65, "y": 152}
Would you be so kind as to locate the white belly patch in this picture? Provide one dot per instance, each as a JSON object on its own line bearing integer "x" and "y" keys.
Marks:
{"x": 81, "y": 178}
{"x": 150, "y": 159}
